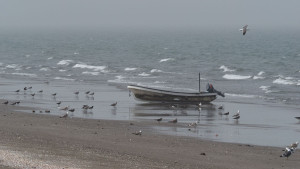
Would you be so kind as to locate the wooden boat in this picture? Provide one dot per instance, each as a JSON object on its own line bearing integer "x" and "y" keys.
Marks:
{"x": 157, "y": 95}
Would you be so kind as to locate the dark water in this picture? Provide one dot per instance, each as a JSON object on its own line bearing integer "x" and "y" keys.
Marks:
{"x": 261, "y": 68}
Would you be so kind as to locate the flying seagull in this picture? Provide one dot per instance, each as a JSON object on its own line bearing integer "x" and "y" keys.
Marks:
{"x": 244, "y": 30}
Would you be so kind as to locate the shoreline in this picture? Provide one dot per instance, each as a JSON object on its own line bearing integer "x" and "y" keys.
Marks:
{"x": 46, "y": 141}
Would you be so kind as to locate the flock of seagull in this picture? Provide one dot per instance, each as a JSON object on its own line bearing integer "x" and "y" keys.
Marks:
{"x": 67, "y": 109}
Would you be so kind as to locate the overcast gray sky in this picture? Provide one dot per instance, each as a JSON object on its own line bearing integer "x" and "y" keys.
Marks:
{"x": 151, "y": 14}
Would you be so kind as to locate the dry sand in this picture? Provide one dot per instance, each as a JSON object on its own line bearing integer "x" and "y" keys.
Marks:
{"x": 33, "y": 140}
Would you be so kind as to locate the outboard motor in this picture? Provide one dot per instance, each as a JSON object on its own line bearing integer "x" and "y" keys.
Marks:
{"x": 210, "y": 89}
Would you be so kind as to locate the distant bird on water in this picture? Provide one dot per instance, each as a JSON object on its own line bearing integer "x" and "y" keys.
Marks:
{"x": 114, "y": 104}
{"x": 173, "y": 121}
{"x": 244, "y": 30}
{"x": 159, "y": 120}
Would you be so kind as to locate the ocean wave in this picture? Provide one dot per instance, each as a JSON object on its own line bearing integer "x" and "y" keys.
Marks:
{"x": 130, "y": 69}
{"x": 155, "y": 71}
{"x": 49, "y": 58}
{"x": 144, "y": 74}
{"x": 44, "y": 69}
{"x": 25, "y": 74}
{"x": 95, "y": 68}
{"x": 65, "y": 62}
{"x": 13, "y": 66}
{"x": 119, "y": 79}
{"x": 226, "y": 69}
{"x": 63, "y": 78}
{"x": 159, "y": 82}
{"x": 166, "y": 59}
{"x": 242, "y": 95}
{"x": 91, "y": 73}
{"x": 284, "y": 81}
{"x": 266, "y": 89}
{"x": 235, "y": 77}
{"x": 62, "y": 70}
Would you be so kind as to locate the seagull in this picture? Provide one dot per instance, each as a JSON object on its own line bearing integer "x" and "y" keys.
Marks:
{"x": 173, "y": 121}
{"x": 227, "y": 113}
{"x": 54, "y": 94}
{"x": 237, "y": 114}
{"x": 32, "y": 94}
{"x": 77, "y": 92}
{"x": 17, "y": 91}
{"x": 6, "y": 102}
{"x": 91, "y": 107}
{"x": 47, "y": 111}
{"x": 236, "y": 117}
{"x": 25, "y": 88}
{"x": 65, "y": 115}
{"x": 220, "y": 107}
{"x": 72, "y": 110}
{"x": 58, "y": 103}
{"x": 65, "y": 108}
{"x": 192, "y": 124}
{"x": 138, "y": 133}
{"x": 91, "y": 94}
{"x": 159, "y": 120}
{"x": 114, "y": 104}
{"x": 87, "y": 92}
{"x": 244, "y": 30}
{"x": 85, "y": 106}
{"x": 29, "y": 87}
{"x": 294, "y": 145}
{"x": 41, "y": 91}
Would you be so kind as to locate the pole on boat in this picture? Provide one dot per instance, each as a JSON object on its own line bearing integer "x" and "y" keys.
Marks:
{"x": 199, "y": 82}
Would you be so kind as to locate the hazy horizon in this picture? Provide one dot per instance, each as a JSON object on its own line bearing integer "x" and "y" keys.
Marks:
{"x": 148, "y": 14}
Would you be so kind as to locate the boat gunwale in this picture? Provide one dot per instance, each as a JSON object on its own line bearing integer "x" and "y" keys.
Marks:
{"x": 137, "y": 87}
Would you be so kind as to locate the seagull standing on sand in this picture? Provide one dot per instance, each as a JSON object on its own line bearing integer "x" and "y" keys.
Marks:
{"x": 173, "y": 121}
{"x": 237, "y": 115}
{"x": 244, "y": 30}
{"x": 65, "y": 115}
{"x": 159, "y": 120}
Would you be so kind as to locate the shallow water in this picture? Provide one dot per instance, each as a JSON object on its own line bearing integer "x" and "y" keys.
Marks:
{"x": 259, "y": 74}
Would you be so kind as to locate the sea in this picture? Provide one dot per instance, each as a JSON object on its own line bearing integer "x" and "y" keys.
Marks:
{"x": 258, "y": 72}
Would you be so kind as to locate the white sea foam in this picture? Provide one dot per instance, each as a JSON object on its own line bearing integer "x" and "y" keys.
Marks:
{"x": 62, "y": 70}
{"x": 65, "y": 62}
{"x": 49, "y": 58}
{"x": 259, "y": 75}
{"x": 241, "y": 95}
{"x": 13, "y": 66}
{"x": 25, "y": 74}
{"x": 266, "y": 89}
{"x": 130, "y": 69}
{"x": 155, "y": 71}
{"x": 144, "y": 74}
{"x": 63, "y": 78}
{"x": 95, "y": 68}
{"x": 284, "y": 81}
{"x": 91, "y": 73}
{"x": 159, "y": 82}
{"x": 226, "y": 69}
{"x": 165, "y": 60}
{"x": 235, "y": 77}
{"x": 119, "y": 79}
{"x": 44, "y": 69}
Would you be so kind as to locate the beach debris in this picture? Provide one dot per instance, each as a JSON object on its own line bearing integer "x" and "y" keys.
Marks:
{"x": 203, "y": 154}
{"x": 173, "y": 121}
{"x": 65, "y": 115}
{"x": 33, "y": 111}
{"x": 114, "y": 104}
{"x": 288, "y": 152}
{"x": 139, "y": 133}
{"x": 6, "y": 102}
{"x": 159, "y": 120}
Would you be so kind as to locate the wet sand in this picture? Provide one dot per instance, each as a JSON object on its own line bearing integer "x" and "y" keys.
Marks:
{"x": 31, "y": 140}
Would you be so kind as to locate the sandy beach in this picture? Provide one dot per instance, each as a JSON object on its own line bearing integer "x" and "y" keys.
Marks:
{"x": 32, "y": 140}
